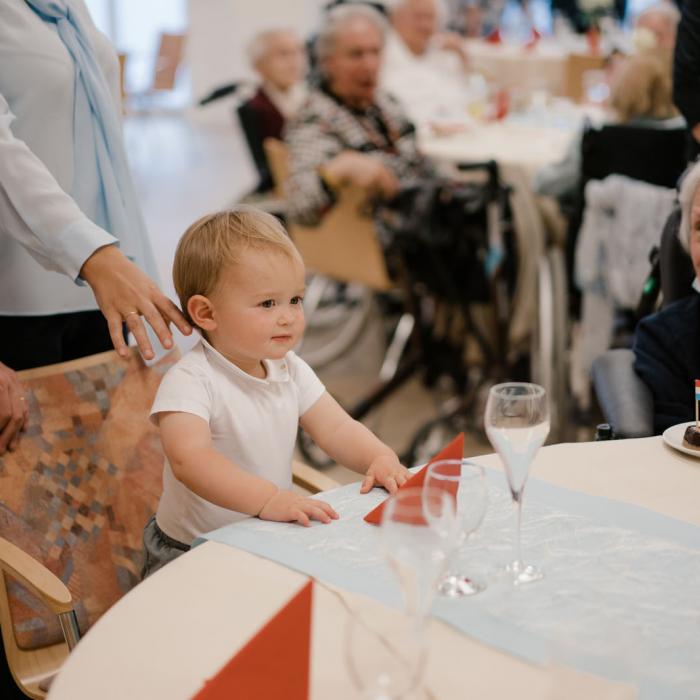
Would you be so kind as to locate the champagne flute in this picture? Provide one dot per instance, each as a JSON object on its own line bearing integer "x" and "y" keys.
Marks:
{"x": 465, "y": 481}
{"x": 517, "y": 424}
{"x": 386, "y": 655}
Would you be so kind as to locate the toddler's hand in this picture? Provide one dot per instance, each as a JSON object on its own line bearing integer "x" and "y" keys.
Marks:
{"x": 287, "y": 506}
{"x": 385, "y": 471}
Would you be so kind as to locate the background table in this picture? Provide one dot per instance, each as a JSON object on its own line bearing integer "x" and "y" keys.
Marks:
{"x": 180, "y": 626}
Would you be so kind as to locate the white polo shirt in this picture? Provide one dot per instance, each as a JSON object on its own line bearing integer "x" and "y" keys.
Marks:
{"x": 253, "y": 422}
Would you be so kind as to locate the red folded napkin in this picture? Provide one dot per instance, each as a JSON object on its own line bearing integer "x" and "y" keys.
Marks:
{"x": 274, "y": 663}
{"x": 455, "y": 450}
{"x": 535, "y": 36}
{"x": 494, "y": 37}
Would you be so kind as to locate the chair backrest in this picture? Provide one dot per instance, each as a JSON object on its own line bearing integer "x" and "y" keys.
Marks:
{"x": 653, "y": 155}
{"x": 344, "y": 246}
{"x": 85, "y": 478}
{"x": 576, "y": 66}
{"x": 170, "y": 52}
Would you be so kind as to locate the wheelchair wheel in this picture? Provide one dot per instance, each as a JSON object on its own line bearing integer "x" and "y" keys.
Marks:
{"x": 429, "y": 440}
{"x": 549, "y": 339}
{"x": 336, "y": 314}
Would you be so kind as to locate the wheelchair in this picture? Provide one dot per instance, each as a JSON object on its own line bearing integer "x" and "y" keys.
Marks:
{"x": 466, "y": 282}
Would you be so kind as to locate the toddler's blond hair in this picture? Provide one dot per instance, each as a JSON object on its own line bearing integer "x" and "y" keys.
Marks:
{"x": 216, "y": 241}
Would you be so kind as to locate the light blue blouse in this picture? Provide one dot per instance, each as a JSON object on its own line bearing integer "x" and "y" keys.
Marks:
{"x": 51, "y": 199}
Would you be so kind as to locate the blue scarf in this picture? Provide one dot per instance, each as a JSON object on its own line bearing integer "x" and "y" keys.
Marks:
{"x": 96, "y": 118}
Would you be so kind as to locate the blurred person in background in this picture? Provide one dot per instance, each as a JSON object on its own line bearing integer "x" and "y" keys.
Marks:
{"x": 686, "y": 72}
{"x": 424, "y": 67}
{"x": 640, "y": 95}
{"x": 656, "y": 27}
{"x": 349, "y": 131}
{"x": 277, "y": 56}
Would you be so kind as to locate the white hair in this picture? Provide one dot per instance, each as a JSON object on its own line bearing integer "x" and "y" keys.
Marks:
{"x": 394, "y": 5}
{"x": 666, "y": 9}
{"x": 337, "y": 19}
{"x": 689, "y": 186}
{"x": 260, "y": 43}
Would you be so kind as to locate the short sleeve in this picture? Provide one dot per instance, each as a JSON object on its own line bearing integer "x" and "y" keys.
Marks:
{"x": 184, "y": 389}
{"x": 309, "y": 387}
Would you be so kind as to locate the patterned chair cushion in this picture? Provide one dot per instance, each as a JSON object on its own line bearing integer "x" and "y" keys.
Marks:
{"x": 83, "y": 482}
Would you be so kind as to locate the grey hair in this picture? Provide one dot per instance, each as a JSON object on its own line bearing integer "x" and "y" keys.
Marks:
{"x": 337, "y": 19}
{"x": 666, "y": 9}
{"x": 259, "y": 45}
{"x": 689, "y": 186}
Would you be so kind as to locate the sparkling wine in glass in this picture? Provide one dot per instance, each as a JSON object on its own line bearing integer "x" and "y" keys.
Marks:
{"x": 465, "y": 481}
{"x": 517, "y": 424}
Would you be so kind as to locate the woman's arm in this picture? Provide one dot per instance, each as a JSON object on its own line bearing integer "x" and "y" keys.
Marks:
{"x": 51, "y": 227}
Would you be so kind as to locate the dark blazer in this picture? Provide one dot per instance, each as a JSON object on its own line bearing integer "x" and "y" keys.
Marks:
{"x": 686, "y": 65}
{"x": 667, "y": 358}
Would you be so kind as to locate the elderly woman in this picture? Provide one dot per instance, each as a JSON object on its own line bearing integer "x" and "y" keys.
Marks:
{"x": 667, "y": 344}
{"x": 349, "y": 132}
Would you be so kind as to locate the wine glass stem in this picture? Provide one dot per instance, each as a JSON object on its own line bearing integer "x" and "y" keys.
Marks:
{"x": 518, "y": 503}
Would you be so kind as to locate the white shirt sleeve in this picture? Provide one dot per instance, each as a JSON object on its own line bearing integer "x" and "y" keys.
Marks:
{"x": 309, "y": 387}
{"x": 184, "y": 390}
{"x": 37, "y": 212}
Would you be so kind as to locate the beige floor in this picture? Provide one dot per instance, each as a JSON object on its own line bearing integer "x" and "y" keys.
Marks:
{"x": 186, "y": 167}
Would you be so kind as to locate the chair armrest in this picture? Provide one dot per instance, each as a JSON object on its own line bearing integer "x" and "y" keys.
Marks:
{"x": 36, "y": 577}
{"x": 311, "y": 479}
{"x": 624, "y": 398}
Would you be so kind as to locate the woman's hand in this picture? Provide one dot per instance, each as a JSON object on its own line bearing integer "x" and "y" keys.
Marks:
{"x": 13, "y": 409}
{"x": 125, "y": 294}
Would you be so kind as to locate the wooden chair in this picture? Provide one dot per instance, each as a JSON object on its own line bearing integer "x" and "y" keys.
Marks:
{"x": 170, "y": 52}
{"x": 576, "y": 66}
{"x": 344, "y": 246}
{"x": 74, "y": 498}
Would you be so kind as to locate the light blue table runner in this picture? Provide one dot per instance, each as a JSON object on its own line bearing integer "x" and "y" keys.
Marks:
{"x": 621, "y": 597}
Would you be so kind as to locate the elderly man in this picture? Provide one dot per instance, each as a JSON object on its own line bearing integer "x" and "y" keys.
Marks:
{"x": 426, "y": 70}
{"x": 349, "y": 132}
{"x": 278, "y": 58}
{"x": 667, "y": 344}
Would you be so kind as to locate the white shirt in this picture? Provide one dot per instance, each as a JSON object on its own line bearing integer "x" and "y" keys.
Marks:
{"x": 45, "y": 209}
{"x": 430, "y": 87}
{"x": 287, "y": 102}
{"x": 253, "y": 422}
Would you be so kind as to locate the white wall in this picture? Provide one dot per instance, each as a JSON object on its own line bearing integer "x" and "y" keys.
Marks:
{"x": 220, "y": 30}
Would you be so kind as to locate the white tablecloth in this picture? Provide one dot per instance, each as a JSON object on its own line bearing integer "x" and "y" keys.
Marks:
{"x": 179, "y": 627}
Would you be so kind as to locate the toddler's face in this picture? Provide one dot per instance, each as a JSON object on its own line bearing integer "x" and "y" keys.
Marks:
{"x": 257, "y": 308}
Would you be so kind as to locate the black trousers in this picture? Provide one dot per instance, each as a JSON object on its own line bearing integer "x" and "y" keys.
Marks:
{"x": 33, "y": 341}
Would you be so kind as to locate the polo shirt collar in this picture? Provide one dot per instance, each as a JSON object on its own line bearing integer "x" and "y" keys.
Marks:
{"x": 277, "y": 370}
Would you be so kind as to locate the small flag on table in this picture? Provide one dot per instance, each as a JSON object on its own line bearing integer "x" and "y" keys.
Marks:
{"x": 697, "y": 398}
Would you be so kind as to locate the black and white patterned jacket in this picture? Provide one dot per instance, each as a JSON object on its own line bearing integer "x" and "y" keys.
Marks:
{"x": 325, "y": 127}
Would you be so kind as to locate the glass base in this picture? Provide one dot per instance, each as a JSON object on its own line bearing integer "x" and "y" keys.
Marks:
{"x": 523, "y": 573}
{"x": 456, "y": 586}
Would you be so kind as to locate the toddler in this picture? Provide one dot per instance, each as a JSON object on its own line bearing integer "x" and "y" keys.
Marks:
{"x": 229, "y": 410}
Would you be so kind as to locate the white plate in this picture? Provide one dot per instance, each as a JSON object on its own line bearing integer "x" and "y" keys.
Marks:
{"x": 673, "y": 437}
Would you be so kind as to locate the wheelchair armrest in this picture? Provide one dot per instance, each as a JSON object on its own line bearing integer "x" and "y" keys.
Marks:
{"x": 624, "y": 398}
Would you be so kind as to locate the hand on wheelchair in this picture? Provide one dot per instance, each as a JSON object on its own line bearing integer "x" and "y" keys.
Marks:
{"x": 385, "y": 471}
{"x": 362, "y": 170}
